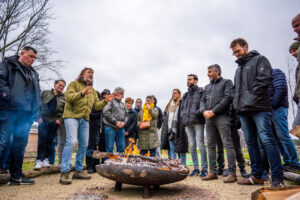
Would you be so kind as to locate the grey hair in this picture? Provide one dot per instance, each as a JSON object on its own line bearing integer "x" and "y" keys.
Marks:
{"x": 119, "y": 90}
{"x": 216, "y": 67}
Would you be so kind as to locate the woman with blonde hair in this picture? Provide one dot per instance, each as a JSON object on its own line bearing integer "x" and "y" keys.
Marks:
{"x": 173, "y": 136}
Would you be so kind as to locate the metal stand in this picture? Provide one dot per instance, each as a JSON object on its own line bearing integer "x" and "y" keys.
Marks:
{"x": 118, "y": 186}
{"x": 146, "y": 193}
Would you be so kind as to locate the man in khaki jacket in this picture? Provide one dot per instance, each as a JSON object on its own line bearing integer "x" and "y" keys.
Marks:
{"x": 80, "y": 97}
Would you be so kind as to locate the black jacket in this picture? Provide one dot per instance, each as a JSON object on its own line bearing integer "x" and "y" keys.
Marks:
{"x": 190, "y": 113}
{"x": 15, "y": 90}
{"x": 217, "y": 97}
{"x": 131, "y": 124}
{"x": 181, "y": 139}
{"x": 251, "y": 82}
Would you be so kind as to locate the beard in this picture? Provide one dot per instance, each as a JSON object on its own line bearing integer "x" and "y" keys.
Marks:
{"x": 87, "y": 80}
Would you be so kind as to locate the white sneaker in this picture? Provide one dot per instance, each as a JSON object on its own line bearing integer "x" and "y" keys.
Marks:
{"x": 38, "y": 164}
{"x": 46, "y": 163}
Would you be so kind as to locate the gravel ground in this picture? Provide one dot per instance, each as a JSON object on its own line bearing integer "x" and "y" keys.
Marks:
{"x": 48, "y": 187}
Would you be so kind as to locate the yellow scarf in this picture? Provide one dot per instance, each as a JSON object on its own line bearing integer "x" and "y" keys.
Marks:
{"x": 146, "y": 114}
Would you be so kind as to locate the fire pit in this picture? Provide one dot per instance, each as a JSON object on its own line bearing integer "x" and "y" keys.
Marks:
{"x": 140, "y": 170}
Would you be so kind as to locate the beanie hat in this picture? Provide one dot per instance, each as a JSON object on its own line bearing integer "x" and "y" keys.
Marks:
{"x": 295, "y": 45}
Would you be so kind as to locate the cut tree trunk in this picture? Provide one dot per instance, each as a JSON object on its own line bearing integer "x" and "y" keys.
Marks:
{"x": 271, "y": 194}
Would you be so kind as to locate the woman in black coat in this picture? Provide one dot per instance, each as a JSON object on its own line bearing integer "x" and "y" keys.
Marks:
{"x": 173, "y": 135}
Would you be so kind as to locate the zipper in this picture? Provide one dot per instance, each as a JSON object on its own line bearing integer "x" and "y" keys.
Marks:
{"x": 212, "y": 91}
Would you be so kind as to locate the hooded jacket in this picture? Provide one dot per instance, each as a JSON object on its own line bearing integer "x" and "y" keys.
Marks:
{"x": 190, "y": 105}
{"x": 15, "y": 91}
{"x": 252, "y": 79}
{"x": 78, "y": 106}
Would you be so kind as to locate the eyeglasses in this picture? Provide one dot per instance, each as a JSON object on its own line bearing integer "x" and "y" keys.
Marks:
{"x": 236, "y": 52}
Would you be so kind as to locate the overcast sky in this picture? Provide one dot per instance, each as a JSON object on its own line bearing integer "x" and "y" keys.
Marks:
{"x": 149, "y": 46}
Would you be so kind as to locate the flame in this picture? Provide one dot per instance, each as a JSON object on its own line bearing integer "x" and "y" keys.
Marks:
{"x": 163, "y": 168}
{"x": 148, "y": 154}
{"x": 132, "y": 148}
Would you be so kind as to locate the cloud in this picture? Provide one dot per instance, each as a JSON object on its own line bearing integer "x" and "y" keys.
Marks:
{"x": 150, "y": 46}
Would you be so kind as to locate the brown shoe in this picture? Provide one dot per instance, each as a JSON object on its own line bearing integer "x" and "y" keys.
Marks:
{"x": 80, "y": 175}
{"x": 251, "y": 181}
{"x": 210, "y": 176}
{"x": 230, "y": 179}
{"x": 295, "y": 131}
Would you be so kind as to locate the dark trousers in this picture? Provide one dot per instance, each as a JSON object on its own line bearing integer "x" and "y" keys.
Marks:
{"x": 219, "y": 125}
{"x": 17, "y": 124}
{"x": 47, "y": 132}
{"x": 235, "y": 137}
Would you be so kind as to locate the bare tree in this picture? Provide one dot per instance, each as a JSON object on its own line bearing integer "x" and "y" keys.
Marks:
{"x": 26, "y": 22}
{"x": 291, "y": 83}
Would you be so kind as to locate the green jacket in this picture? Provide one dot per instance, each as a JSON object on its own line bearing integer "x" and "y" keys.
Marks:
{"x": 148, "y": 138}
{"x": 46, "y": 97}
{"x": 78, "y": 106}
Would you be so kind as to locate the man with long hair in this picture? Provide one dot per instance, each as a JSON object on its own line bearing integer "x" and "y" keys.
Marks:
{"x": 81, "y": 98}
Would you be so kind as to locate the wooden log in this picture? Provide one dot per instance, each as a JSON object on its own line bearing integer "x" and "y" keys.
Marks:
{"x": 266, "y": 193}
{"x": 292, "y": 176}
{"x": 35, "y": 173}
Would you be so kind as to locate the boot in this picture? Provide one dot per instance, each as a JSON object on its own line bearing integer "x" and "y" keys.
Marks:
{"x": 230, "y": 179}
{"x": 65, "y": 179}
{"x": 210, "y": 176}
{"x": 80, "y": 175}
{"x": 295, "y": 131}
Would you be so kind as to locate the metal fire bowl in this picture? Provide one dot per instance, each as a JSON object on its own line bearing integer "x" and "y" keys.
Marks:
{"x": 139, "y": 175}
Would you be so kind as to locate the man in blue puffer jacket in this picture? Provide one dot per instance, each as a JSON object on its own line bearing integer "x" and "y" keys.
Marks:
{"x": 278, "y": 92}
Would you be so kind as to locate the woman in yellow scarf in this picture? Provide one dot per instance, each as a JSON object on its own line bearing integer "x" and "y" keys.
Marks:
{"x": 147, "y": 137}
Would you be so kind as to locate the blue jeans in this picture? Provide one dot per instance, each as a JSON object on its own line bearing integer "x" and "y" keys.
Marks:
{"x": 258, "y": 124}
{"x": 182, "y": 157}
{"x": 46, "y": 132}
{"x": 5, "y": 154}
{"x": 288, "y": 149}
{"x": 16, "y": 124}
{"x": 171, "y": 152}
{"x": 76, "y": 129}
{"x": 195, "y": 134}
{"x": 113, "y": 135}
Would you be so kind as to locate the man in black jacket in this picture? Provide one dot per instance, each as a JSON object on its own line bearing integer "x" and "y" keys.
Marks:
{"x": 194, "y": 123}
{"x": 215, "y": 106}
{"x": 19, "y": 105}
{"x": 252, "y": 102}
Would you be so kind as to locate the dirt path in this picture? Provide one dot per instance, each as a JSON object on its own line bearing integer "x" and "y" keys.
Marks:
{"x": 47, "y": 187}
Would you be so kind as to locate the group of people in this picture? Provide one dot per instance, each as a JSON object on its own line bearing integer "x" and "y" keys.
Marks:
{"x": 257, "y": 102}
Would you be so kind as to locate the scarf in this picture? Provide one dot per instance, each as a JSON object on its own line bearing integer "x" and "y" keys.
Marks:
{"x": 146, "y": 114}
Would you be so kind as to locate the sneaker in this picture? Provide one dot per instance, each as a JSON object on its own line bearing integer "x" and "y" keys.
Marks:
{"x": 80, "y": 175}
{"x": 65, "y": 178}
{"x": 20, "y": 181}
{"x": 46, "y": 163}
{"x": 265, "y": 175}
{"x": 276, "y": 184}
{"x": 203, "y": 173}
{"x": 225, "y": 173}
{"x": 38, "y": 165}
{"x": 195, "y": 172}
{"x": 220, "y": 171}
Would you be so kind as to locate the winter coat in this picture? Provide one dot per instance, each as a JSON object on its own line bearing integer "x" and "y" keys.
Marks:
{"x": 131, "y": 124}
{"x": 148, "y": 138}
{"x": 251, "y": 82}
{"x": 278, "y": 90}
{"x": 217, "y": 97}
{"x": 190, "y": 113}
{"x": 181, "y": 139}
{"x": 15, "y": 92}
{"x": 78, "y": 106}
{"x": 46, "y": 97}
{"x": 297, "y": 89}
{"x": 159, "y": 118}
{"x": 113, "y": 112}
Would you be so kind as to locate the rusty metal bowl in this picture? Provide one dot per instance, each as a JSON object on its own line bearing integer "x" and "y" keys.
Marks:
{"x": 138, "y": 173}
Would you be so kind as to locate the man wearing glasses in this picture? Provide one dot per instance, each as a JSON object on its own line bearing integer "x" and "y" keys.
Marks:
{"x": 252, "y": 102}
